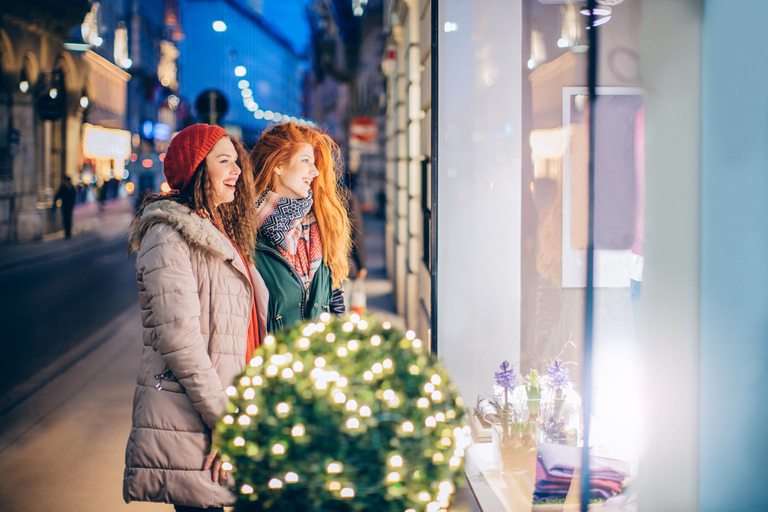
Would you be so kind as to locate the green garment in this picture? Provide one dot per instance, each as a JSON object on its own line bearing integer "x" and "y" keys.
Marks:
{"x": 289, "y": 302}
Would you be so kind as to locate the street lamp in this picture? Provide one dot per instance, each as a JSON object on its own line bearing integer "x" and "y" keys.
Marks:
{"x": 240, "y": 70}
{"x": 84, "y": 102}
{"x": 24, "y": 86}
{"x": 219, "y": 26}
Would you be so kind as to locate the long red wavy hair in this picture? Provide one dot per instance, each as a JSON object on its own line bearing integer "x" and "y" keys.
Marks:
{"x": 275, "y": 148}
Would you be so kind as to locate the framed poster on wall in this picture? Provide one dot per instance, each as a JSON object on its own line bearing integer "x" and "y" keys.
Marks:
{"x": 619, "y": 174}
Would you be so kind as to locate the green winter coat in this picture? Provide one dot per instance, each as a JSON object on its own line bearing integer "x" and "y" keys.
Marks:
{"x": 289, "y": 302}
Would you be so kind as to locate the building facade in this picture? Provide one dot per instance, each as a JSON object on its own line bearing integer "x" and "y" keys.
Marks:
{"x": 71, "y": 104}
{"x": 232, "y": 56}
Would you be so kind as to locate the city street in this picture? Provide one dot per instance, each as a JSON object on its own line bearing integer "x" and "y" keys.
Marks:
{"x": 69, "y": 368}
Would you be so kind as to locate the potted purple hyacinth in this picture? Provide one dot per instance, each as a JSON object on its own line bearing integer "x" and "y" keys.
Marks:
{"x": 513, "y": 437}
{"x": 555, "y": 424}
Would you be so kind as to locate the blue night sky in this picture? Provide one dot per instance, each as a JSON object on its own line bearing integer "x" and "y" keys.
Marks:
{"x": 289, "y": 17}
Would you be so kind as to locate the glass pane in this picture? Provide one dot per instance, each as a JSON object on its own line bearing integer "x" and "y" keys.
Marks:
{"x": 513, "y": 210}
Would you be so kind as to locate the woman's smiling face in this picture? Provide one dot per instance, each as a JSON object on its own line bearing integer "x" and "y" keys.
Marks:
{"x": 223, "y": 171}
{"x": 295, "y": 180}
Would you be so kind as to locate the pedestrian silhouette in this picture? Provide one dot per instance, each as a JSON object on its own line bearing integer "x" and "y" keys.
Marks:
{"x": 67, "y": 194}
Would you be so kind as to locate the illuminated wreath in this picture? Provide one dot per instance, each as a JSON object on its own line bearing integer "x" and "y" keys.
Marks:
{"x": 343, "y": 415}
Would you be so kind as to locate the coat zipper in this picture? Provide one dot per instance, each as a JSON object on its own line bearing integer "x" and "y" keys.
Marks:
{"x": 295, "y": 275}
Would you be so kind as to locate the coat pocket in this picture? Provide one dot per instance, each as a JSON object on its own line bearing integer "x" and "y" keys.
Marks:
{"x": 166, "y": 381}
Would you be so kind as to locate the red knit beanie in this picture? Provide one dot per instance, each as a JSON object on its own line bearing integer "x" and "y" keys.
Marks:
{"x": 187, "y": 149}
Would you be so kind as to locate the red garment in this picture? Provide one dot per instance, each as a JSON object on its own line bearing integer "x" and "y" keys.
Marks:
{"x": 187, "y": 149}
{"x": 253, "y": 327}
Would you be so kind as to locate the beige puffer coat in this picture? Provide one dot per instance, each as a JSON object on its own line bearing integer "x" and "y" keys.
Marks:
{"x": 195, "y": 301}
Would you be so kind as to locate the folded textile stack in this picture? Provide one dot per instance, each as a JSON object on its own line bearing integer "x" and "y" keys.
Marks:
{"x": 556, "y": 465}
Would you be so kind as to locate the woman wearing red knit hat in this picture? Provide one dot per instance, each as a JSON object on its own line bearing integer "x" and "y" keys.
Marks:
{"x": 304, "y": 240}
{"x": 203, "y": 308}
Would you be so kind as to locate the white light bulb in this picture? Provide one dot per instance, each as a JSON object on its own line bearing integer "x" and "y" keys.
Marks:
{"x": 389, "y": 394}
{"x": 272, "y": 370}
{"x": 243, "y": 84}
{"x": 240, "y": 71}
{"x": 413, "y": 370}
{"x": 376, "y": 340}
{"x": 320, "y": 362}
{"x": 226, "y": 466}
{"x": 438, "y": 457}
{"x": 435, "y": 380}
{"x": 393, "y": 477}
{"x": 244, "y": 420}
{"x": 377, "y": 368}
{"x": 275, "y": 484}
{"x": 291, "y": 477}
{"x": 325, "y": 316}
{"x": 339, "y": 398}
{"x": 454, "y": 462}
{"x": 365, "y": 411}
{"x": 437, "y": 396}
{"x": 330, "y": 338}
{"x": 347, "y": 327}
{"x": 429, "y": 387}
{"x": 249, "y": 393}
{"x": 297, "y": 431}
{"x": 440, "y": 416}
{"x": 387, "y": 364}
{"x": 362, "y": 325}
{"x": 396, "y": 461}
{"x": 341, "y": 382}
{"x": 334, "y": 486}
{"x": 353, "y": 423}
{"x": 342, "y": 352}
{"x": 231, "y": 391}
{"x": 257, "y": 380}
{"x": 238, "y": 441}
{"x": 407, "y": 426}
{"x": 277, "y": 359}
{"x": 410, "y": 335}
{"x": 269, "y": 340}
{"x": 283, "y": 408}
{"x": 334, "y": 467}
{"x": 278, "y": 449}
{"x": 368, "y": 375}
{"x": 430, "y": 421}
{"x": 228, "y": 420}
{"x": 303, "y": 342}
{"x": 246, "y": 489}
{"x": 252, "y": 409}
{"x": 416, "y": 343}
{"x": 319, "y": 326}
{"x": 219, "y": 26}
{"x": 352, "y": 405}
{"x": 353, "y": 345}
{"x": 387, "y": 326}
{"x": 287, "y": 373}
{"x": 257, "y": 361}
{"x": 424, "y": 496}
{"x": 422, "y": 403}
{"x": 347, "y": 493}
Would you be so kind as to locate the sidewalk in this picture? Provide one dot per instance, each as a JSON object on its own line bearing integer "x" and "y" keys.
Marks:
{"x": 378, "y": 288}
{"x": 90, "y": 227}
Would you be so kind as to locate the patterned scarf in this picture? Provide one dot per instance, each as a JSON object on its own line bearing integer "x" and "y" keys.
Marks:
{"x": 291, "y": 226}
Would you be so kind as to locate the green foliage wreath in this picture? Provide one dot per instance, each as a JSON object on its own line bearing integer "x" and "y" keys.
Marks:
{"x": 345, "y": 415}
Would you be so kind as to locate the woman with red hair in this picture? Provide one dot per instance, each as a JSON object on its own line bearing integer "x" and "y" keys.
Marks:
{"x": 303, "y": 239}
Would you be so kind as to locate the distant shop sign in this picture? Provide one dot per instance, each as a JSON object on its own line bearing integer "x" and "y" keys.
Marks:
{"x": 101, "y": 143}
{"x": 363, "y": 133}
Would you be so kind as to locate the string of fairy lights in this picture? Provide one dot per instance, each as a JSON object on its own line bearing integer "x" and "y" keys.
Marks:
{"x": 251, "y": 105}
{"x": 344, "y": 410}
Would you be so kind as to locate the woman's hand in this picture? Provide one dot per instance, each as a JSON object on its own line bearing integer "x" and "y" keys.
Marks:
{"x": 212, "y": 462}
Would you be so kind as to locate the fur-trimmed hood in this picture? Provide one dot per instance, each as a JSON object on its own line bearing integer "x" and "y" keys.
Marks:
{"x": 199, "y": 233}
